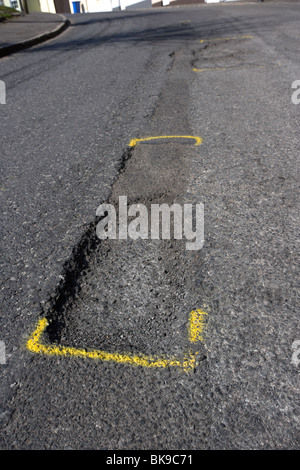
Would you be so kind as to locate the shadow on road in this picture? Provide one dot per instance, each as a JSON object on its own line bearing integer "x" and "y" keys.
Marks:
{"x": 83, "y": 33}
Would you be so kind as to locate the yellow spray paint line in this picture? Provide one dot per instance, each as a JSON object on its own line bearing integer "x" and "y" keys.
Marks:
{"x": 225, "y": 39}
{"x": 35, "y": 345}
{"x": 197, "y": 139}
{"x": 197, "y": 325}
{"x": 241, "y": 67}
{"x": 211, "y": 69}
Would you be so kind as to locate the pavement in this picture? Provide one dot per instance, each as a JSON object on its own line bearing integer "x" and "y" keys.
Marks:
{"x": 73, "y": 106}
{"x": 28, "y": 30}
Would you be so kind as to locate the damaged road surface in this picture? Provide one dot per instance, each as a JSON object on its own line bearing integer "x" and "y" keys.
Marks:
{"x": 134, "y": 294}
{"x": 145, "y": 343}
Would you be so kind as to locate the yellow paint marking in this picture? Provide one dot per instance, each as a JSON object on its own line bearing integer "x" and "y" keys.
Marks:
{"x": 35, "y": 345}
{"x": 198, "y": 140}
{"x": 239, "y": 67}
{"x": 208, "y": 69}
{"x": 226, "y": 39}
{"x": 197, "y": 325}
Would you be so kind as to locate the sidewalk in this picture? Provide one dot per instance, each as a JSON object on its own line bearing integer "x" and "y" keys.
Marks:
{"x": 25, "y": 31}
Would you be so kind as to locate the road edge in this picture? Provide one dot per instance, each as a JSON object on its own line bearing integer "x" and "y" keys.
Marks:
{"x": 12, "y": 48}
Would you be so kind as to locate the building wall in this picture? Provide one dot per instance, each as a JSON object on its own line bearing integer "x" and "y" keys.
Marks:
{"x": 162, "y": 3}
{"x": 62, "y": 6}
{"x": 140, "y": 4}
{"x": 93, "y": 6}
{"x": 46, "y": 6}
{"x": 33, "y": 6}
{"x": 6, "y": 3}
{"x": 98, "y": 5}
{"x": 133, "y": 3}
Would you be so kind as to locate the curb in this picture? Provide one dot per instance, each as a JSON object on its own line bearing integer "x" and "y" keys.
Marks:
{"x": 7, "y": 50}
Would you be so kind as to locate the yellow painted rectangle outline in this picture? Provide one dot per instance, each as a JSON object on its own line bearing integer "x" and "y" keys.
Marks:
{"x": 187, "y": 363}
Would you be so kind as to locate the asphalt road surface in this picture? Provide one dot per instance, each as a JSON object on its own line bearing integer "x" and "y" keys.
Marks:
{"x": 101, "y": 348}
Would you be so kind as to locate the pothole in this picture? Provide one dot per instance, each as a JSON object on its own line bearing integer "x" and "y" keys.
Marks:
{"x": 130, "y": 296}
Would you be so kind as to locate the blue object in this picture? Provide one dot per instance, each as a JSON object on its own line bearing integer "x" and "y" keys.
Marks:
{"x": 76, "y": 7}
